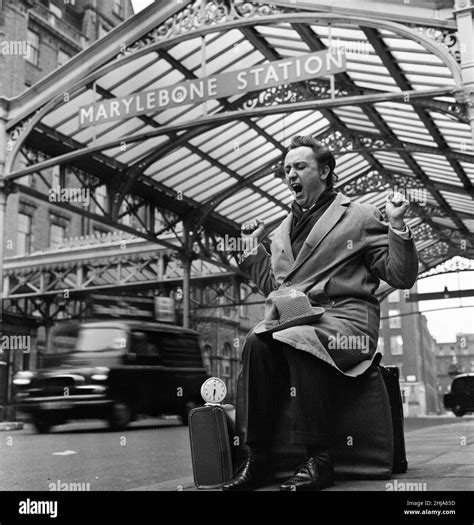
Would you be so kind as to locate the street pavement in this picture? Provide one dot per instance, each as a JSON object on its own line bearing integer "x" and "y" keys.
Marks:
{"x": 154, "y": 455}
{"x": 440, "y": 454}
{"x": 148, "y": 452}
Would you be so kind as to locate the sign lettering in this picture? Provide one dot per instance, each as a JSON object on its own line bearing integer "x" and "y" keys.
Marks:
{"x": 285, "y": 71}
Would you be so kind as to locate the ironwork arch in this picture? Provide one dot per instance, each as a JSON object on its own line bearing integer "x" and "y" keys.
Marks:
{"x": 159, "y": 40}
{"x": 423, "y": 40}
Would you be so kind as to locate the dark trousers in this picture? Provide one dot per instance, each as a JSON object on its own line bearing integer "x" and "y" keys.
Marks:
{"x": 275, "y": 373}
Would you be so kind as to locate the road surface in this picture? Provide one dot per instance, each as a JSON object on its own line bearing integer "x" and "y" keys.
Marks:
{"x": 148, "y": 453}
{"x": 88, "y": 453}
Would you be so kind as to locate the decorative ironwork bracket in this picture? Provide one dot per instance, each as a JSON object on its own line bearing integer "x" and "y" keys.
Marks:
{"x": 204, "y": 13}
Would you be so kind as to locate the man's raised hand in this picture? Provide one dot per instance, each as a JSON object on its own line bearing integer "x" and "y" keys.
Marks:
{"x": 395, "y": 209}
{"x": 254, "y": 230}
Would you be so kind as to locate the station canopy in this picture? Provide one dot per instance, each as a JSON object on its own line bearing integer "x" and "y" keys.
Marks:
{"x": 393, "y": 115}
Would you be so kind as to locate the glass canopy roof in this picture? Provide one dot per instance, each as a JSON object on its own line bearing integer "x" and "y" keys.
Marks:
{"x": 421, "y": 143}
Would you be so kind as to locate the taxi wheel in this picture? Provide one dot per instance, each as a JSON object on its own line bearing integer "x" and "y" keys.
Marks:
{"x": 42, "y": 424}
{"x": 120, "y": 415}
{"x": 458, "y": 411}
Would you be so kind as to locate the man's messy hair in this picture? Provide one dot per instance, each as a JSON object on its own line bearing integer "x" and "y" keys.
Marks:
{"x": 322, "y": 154}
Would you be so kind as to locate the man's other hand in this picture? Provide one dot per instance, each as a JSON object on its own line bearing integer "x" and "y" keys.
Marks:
{"x": 254, "y": 230}
{"x": 395, "y": 209}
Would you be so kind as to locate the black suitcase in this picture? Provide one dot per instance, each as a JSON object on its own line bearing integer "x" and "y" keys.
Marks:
{"x": 377, "y": 401}
{"x": 391, "y": 376}
{"x": 211, "y": 452}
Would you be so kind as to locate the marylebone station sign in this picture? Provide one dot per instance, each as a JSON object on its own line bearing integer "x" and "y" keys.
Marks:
{"x": 285, "y": 71}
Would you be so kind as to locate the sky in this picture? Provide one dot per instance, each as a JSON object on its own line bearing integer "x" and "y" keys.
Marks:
{"x": 138, "y": 5}
{"x": 443, "y": 324}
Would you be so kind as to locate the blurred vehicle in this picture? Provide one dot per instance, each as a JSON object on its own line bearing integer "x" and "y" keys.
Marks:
{"x": 460, "y": 398}
{"x": 117, "y": 371}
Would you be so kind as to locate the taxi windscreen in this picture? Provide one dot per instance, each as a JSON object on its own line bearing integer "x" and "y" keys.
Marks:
{"x": 101, "y": 339}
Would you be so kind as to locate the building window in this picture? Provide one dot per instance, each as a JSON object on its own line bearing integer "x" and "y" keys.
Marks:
{"x": 29, "y": 181}
{"x": 24, "y": 234}
{"x": 103, "y": 30}
{"x": 63, "y": 57}
{"x": 226, "y": 350}
{"x": 394, "y": 297}
{"x": 126, "y": 218}
{"x": 55, "y": 10}
{"x": 57, "y": 178}
{"x": 245, "y": 292}
{"x": 26, "y": 361}
{"x": 223, "y": 301}
{"x": 57, "y": 235}
{"x": 394, "y": 319}
{"x": 159, "y": 222}
{"x": 244, "y": 311}
{"x": 101, "y": 200}
{"x": 400, "y": 369}
{"x": 396, "y": 345}
{"x": 57, "y": 230}
{"x": 34, "y": 40}
{"x": 119, "y": 8}
{"x": 381, "y": 345}
{"x": 207, "y": 357}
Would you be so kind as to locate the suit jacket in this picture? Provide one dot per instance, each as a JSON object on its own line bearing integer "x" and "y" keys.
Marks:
{"x": 346, "y": 254}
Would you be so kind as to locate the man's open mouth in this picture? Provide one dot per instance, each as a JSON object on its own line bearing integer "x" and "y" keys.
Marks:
{"x": 297, "y": 188}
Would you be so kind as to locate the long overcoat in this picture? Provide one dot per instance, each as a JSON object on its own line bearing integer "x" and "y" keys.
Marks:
{"x": 346, "y": 254}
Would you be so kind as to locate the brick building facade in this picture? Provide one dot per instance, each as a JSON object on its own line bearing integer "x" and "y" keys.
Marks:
{"x": 53, "y": 31}
{"x": 223, "y": 331}
{"x": 406, "y": 342}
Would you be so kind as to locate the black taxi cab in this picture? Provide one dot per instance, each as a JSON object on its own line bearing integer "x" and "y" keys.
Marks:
{"x": 460, "y": 398}
{"x": 117, "y": 371}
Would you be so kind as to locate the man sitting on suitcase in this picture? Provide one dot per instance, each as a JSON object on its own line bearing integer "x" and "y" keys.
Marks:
{"x": 321, "y": 315}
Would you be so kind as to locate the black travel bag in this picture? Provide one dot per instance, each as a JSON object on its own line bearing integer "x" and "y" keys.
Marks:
{"x": 210, "y": 432}
{"x": 391, "y": 377}
{"x": 368, "y": 409}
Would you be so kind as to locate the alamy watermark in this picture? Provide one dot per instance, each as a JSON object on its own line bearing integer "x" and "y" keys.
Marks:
{"x": 15, "y": 342}
{"x": 77, "y": 195}
{"x": 31, "y": 506}
{"x": 402, "y": 486}
{"x": 63, "y": 486}
{"x": 20, "y": 48}
{"x": 358, "y": 47}
{"x": 236, "y": 244}
{"x": 349, "y": 342}
{"x": 418, "y": 195}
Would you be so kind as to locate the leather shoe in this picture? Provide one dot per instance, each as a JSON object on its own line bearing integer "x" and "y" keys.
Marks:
{"x": 251, "y": 475}
{"x": 315, "y": 473}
